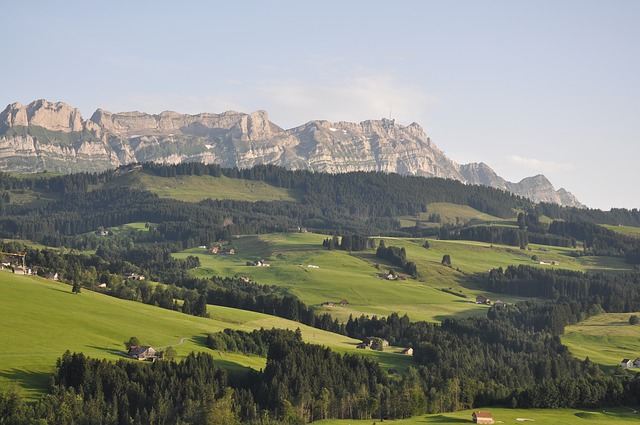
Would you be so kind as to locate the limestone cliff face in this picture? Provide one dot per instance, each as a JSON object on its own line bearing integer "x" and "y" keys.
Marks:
{"x": 54, "y": 137}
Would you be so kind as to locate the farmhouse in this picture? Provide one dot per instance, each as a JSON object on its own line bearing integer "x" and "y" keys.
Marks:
{"x": 626, "y": 363}
{"x": 407, "y": 351}
{"x": 370, "y": 341}
{"x": 21, "y": 270}
{"x": 499, "y": 304}
{"x": 142, "y": 352}
{"x": 482, "y": 417}
{"x": 482, "y": 300}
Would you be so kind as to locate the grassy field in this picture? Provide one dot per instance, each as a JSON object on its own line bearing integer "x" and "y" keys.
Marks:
{"x": 340, "y": 275}
{"x": 606, "y": 339}
{"x": 197, "y": 188}
{"x": 40, "y": 319}
{"x": 619, "y": 415}
{"x": 452, "y": 213}
{"x": 625, "y": 230}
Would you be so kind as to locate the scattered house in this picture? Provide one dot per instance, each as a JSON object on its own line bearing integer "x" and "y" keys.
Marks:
{"x": 261, "y": 263}
{"x": 387, "y": 276}
{"x": 327, "y": 304}
{"x": 636, "y": 362}
{"x": 499, "y": 304}
{"x": 626, "y": 363}
{"x": 368, "y": 341}
{"x": 142, "y": 352}
{"x": 482, "y": 300}
{"x": 482, "y": 417}
{"x": 407, "y": 351}
{"x": 344, "y": 302}
{"x": 52, "y": 276}
{"x": 21, "y": 270}
{"x": 102, "y": 285}
{"x": 134, "y": 276}
{"x": 218, "y": 249}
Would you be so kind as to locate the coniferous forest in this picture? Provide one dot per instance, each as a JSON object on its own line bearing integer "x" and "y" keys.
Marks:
{"x": 512, "y": 357}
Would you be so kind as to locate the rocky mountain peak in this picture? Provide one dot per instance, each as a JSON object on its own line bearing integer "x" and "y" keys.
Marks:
{"x": 234, "y": 139}
{"x": 52, "y": 116}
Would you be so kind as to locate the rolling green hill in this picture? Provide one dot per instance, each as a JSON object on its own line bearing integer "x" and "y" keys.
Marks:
{"x": 340, "y": 275}
{"x": 606, "y": 339}
{"x": 620, "y": 415}
{"x": 197, "y": 188}
{"x": 40, "y": 319}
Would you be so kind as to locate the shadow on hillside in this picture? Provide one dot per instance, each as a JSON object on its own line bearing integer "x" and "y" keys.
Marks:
{"x": 111, "y": 350}
{"x": 65, "y": 289}
{"x": 474, "y": 281}
{"x": 200, "y": 340}
{"x": 28, "y": 379}
{"x": 448, "y": 420}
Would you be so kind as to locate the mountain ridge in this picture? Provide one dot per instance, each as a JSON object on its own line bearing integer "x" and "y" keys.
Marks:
{"x": 54, "y": 137}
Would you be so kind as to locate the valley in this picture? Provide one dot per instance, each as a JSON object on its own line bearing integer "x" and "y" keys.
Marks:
{"x": 176, "y": 254}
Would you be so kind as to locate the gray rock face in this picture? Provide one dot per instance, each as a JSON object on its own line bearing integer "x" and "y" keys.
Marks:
{"x": 54, "y": 137}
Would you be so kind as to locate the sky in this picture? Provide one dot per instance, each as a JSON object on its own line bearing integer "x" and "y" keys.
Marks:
{"x": 527, "y": 87}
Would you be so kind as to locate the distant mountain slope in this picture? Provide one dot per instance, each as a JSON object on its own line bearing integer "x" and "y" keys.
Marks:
{"x": 54, "y": 137}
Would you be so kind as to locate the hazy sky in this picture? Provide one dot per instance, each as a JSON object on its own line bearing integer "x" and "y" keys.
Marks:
{"x": 527, "y": 87}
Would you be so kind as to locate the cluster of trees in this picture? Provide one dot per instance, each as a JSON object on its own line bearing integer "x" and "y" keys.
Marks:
{"x": 489, "y": 234}
{"x": 398, "y": 257}
{"x": 598, "y": 240}
{"x": 349, "y": 243}
{"x": 255, "y": 342}
{"x": 616, "y": 293}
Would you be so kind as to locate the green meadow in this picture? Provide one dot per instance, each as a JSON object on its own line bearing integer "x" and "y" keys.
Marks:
{"x": 606, "y": 339}
{"x": 337, "y": 275}
{"x": 451, "y": 213}
{"x": 625, "y": 230}
{"x": 197, "y": 188}
{"x": 620, "y": 415}
{"x": 41, "y": 319}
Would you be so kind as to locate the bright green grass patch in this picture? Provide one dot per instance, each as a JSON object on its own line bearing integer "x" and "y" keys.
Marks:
{"x": 454, "y": 213}
{"x": 198, "y": 188}
{"x": 606, "y": 339}
{"x": 337, "y": 275}
{"x": 625, "y": 230}
{"x": 340, "y": 275}
{"x": 40, "y": 319}
{"x": 619, "y": 415}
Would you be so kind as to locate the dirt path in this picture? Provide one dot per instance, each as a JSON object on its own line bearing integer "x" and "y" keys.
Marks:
{"x": 182, "y": 340}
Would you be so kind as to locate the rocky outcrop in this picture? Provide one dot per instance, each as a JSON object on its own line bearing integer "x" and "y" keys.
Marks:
{"x": 54, "y": 137}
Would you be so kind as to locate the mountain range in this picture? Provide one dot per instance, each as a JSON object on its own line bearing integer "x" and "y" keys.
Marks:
{"x": 54, "y": 137}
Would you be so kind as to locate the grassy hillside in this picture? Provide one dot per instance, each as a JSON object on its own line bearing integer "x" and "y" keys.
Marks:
{"x": 353, "y": 277}
{"x": 606, "y": 339}
{"x": 620, "y": 415}
{"x": 625, "y": 230}
{"x": 40, "y": 319}
{"x": 197, "y": 188}
{"x": 451, "y": 213}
